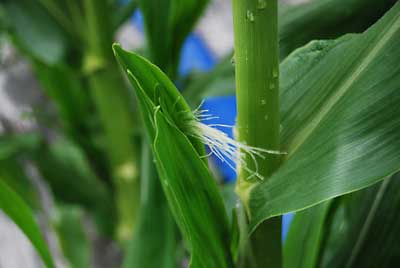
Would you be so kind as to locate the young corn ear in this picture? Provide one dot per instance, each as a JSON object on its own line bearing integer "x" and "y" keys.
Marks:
{"x": 228, "y": 150}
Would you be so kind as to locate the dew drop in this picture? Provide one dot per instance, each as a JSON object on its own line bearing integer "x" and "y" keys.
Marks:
{"x": 261, "y": 4}
{"x": 263, "y": 102}
{"x": 237, "y": 205}
{"x": 266, "y": 117}
{"x": 272, "y": 86}
{"x": 250, "y": 16}
{"x": 233, "y": 60}
{"x": 275, "y": 73}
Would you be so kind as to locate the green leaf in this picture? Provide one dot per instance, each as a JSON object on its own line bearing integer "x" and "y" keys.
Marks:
{"x": 304, "y": 238}
{"x": 297, "y": 27}
{"x": 192, "y": 195}
{"x": 191, "y": 191}
{"x": 69, "y": 225}
{"x": 13, "y": 145}
{"x": 341, "y": 121}
{"x": 365, "y": 228}
{"x": 64, "y": 166}
{"x": 64, "y": 87}
{"x": 167, "y": 24}
{"x": 21, "y": 214}
{"x": 335, "y": 17}
{"x": 35, "y": 31}
{"x": 12, "y": 173}
{"x": 123, "y": 12}
{"x": 154, "y": 242}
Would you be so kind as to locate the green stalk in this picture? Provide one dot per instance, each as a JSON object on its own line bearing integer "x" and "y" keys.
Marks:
{"x": 112, "y": 101}
{"x": 257, "y": 82}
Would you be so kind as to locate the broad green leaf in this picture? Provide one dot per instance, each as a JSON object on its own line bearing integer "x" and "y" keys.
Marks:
{"x": 304, "y": 238}
{"x": 341, "y": 121}
{"x": 69, "y": 226}
{"x": 365, "y": 229}
{"x": 167, "y": 24}
{"x": 22, "y": 216}
{"x": 154, "y": 242}
{"x": 298, "y": 25}
{"x": 190, "y": 189}
{"x": 323, "y": 19}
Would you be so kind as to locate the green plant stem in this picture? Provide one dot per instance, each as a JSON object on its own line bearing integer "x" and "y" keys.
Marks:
{"x": 257, "y": 82}
{"x": 112, "y": 101}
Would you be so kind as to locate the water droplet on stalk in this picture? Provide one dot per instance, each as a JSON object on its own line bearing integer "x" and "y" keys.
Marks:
{"x": 261, "y": 4}
{"x": 233, "y": 60}
{"x": 272, "y": 86}
{"x": 250, "y": 16}
{"x": 266, "y": 117}
{"x": 263, "y": 102}
{"x": 275, "y": 73}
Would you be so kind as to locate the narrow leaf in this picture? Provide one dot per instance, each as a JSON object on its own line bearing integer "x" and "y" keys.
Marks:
{"x": 190, "y": 189}
{"x": 193, "y": 196}
{"x": 304, "y": 238}
{"x": 154, "y": 241}
{"x": 22, "y": 216}
{"x": 74, "y": 242}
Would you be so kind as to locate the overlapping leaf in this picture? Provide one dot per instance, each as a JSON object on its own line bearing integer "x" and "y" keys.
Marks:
{"x": 341, "y": 120}
{"x": 22, "y": 216}
{"x": 154, "y": 239}
{"x": 365, "y": 228}
{"x": 191, "y": 191}
{"x": 302, "y": 246}
{"x": 320, "y": 19}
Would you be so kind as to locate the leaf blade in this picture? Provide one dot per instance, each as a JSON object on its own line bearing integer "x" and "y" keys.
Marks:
{"x": 191, "y": 192}
{"x": 301, "y": 248}
{"x": 22, "y": 216}
{"x": 356, "y": 135}
{"x": 364, "y": 228}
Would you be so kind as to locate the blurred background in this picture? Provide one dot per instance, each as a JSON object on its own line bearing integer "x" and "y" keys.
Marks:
{"x": 21, "y": 95}
{"x": 25, "y": 108}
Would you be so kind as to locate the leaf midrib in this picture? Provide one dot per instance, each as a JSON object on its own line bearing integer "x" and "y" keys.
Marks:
{"x": 309, "y": 128}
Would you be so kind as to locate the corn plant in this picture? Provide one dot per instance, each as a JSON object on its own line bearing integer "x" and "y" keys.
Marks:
{"x": 317, "y": 133}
